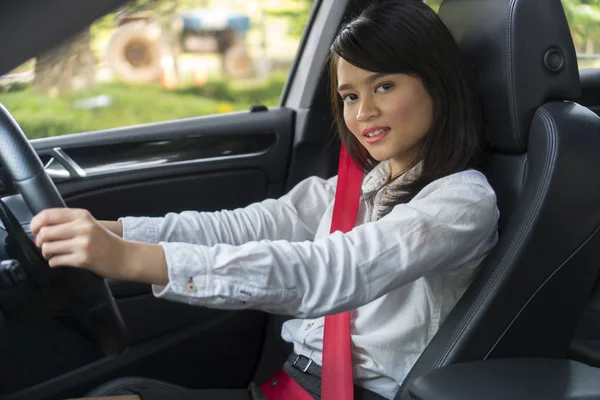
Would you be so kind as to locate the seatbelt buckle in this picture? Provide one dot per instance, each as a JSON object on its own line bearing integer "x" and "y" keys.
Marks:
{"x": 310, "y": 361}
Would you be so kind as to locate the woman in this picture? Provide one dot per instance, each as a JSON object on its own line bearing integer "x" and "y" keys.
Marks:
{"x": 407, "y": 112}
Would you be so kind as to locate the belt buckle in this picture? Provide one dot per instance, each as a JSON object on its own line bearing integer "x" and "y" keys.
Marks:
{"x": 307, "y": 365}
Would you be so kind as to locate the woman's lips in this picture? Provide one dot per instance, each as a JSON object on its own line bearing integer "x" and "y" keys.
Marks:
{"x": 377, "y": 138}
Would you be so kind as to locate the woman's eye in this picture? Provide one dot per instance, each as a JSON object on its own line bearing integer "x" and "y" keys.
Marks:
{"x": 349, "y": 97}
{"x": 384, "y": 87}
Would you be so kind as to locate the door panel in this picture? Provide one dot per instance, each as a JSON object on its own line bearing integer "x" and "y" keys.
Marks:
{"x": 259, "y": 140}
{"x": 203, "y": 164}
{"x": 198, "y": 355}
{"x": 156, "y": 197}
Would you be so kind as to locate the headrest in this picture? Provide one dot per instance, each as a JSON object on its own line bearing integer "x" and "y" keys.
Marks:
{"x": 523, "y": 56}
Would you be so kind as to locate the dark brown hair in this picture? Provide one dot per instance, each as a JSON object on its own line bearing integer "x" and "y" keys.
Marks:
{"x": 407, "y": 36}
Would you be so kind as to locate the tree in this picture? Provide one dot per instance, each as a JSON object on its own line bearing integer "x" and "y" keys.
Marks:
{"x": 72, "y": 64}
{"x": 434, "y": 4}
{"x": 69, "y": 66}
{"x": 584, "y": 22}
{"x": 297, "y": 13}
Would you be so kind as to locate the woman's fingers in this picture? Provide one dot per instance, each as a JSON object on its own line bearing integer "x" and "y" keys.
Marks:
{"x": 74, "y": 238}
{"x": 72, "y": 252}
{"x": 51, "y": 249}
{"x": 56, "y": 216}
{"x": 65, "y": 260}
{"x": 57, "y": 232}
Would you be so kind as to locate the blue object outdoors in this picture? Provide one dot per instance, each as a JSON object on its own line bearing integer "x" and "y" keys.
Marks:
{"x": 215, "y": 19}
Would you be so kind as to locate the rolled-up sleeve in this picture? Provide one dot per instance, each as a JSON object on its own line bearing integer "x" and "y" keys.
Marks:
{"x": 449, "y": 226}
{"x": 293, "y": 217}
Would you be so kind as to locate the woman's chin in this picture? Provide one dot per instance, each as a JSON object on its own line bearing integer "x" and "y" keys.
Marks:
{"x": 379, "y": 156}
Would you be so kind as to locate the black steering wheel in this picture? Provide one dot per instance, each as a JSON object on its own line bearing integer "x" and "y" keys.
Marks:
{"x": 81, "y": 294}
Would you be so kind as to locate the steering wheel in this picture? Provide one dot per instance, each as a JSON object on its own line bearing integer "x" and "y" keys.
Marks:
{"x": 83, "y": 295}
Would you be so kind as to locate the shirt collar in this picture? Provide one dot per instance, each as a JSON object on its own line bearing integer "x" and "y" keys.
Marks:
{"x": 379, "y": 175}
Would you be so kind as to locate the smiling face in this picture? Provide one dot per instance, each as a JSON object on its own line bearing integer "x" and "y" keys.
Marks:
{"x": 389, "y": 114}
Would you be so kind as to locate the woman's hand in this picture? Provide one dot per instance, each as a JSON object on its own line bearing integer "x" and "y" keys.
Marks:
{"x": 74, "y": 238}
{"x": 115, "y": 227}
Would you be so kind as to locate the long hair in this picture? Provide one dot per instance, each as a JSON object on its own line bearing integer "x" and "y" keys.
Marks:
{"x": 407, "y": 36}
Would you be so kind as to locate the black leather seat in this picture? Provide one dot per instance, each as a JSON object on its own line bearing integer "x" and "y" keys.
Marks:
{"x": 510, "y": 379}
{"x": 545, "y": 166}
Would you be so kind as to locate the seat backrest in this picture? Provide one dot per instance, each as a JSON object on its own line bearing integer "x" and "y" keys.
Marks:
{"x": 545, "y": 168}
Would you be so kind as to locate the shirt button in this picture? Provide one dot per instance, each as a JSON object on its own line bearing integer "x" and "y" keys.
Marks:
{"x": 191, "y": 287}
{"x": 310, "y": 325}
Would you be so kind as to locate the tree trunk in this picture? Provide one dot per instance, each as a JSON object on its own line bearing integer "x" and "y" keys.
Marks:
{"x": 589, "y": 45}
{"x": 70, "y": 66}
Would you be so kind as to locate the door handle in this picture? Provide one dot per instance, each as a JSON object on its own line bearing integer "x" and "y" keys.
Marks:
{"x": 61, "y": 166}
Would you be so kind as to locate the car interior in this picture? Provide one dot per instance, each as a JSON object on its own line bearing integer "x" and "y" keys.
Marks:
{"x": 528, "y": 327}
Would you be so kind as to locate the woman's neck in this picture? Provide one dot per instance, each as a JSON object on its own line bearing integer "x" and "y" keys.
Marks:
{"x": 400, "y": 165}
{"x": 397, "y": 169}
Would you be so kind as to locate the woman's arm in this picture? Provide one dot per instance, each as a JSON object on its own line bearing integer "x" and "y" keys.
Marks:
{"x": 293, "y": 217}
{"x": 449, "y": 226}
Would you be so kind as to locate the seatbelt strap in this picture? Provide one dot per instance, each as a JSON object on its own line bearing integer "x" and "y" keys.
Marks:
{"x": 336, "y": 377}
{"x": 282, "y": 387}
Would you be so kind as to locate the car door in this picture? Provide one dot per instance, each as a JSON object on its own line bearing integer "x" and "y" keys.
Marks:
{"x": 200, "y": 161}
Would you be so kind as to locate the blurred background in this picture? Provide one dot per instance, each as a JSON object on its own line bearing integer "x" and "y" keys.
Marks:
{"x": 158, "y": 60}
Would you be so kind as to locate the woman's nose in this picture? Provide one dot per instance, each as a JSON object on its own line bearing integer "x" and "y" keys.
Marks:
{"x": 367, "y": 111}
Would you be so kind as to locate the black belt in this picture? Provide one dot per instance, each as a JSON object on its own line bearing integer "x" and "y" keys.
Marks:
{"x": 308, "y": 375}
{"x": 304, "y": 364}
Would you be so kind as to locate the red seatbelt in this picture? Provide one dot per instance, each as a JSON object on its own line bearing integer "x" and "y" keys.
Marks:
{"x": 282, "y": 387}
{"x": 336, "y": 378}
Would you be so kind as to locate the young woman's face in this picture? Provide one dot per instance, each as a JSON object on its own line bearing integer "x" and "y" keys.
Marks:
{"x": 388, "y": 114}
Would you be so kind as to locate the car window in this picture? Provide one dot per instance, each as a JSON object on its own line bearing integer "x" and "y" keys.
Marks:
{"x": 584, "y": 21}
{"x": 159, "y": 60}
{"x": 434, "y": 4}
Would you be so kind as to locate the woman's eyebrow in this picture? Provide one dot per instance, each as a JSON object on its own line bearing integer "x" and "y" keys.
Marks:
{"x": 375, "y": 76}
{"x": 368, "y": 79}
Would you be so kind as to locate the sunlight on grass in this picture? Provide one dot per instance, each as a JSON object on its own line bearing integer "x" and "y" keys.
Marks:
{"x": 43, "y": 116}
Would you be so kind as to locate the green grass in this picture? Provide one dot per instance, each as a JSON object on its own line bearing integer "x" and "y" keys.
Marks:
{"x": 43, "y": 116}
{"x": 266, "y": 93}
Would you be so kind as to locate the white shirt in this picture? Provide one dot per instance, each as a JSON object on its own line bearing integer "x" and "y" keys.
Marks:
{"x": 400, "y": 276}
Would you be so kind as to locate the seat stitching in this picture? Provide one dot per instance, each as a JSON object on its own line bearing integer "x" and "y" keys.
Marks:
{"x": 510, "y": 82}
{"x": 546, "y": 118}
{"x": 550, "y": 160}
